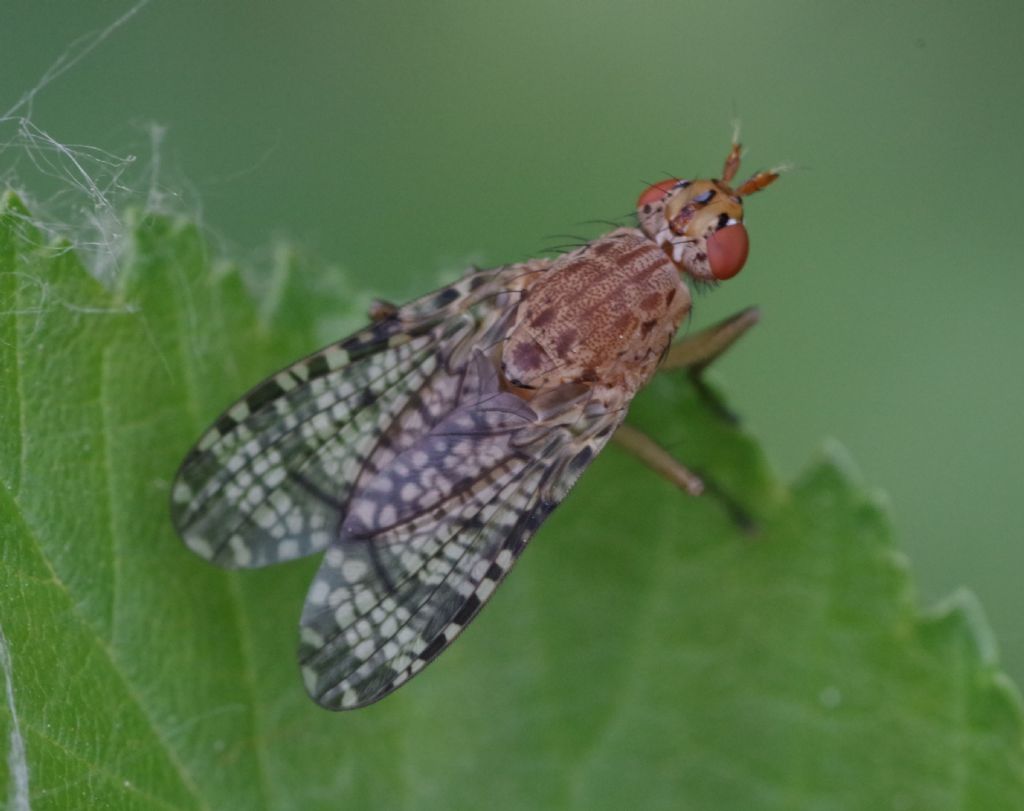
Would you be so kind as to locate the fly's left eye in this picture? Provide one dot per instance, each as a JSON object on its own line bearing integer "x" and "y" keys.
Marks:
{"x": 727, "y": 251}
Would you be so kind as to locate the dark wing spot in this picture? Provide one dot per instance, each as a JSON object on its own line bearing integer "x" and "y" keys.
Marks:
{"x": 469, "y": 608}
{"x": 369, "y": 339}
{"x": 366, "y": 398}
{"x": 478, "y": 280}
{"x": 264, "y": 393}
{"x": 317, "y": 367}
{"x": 435, "y": 647}
{"x": 580, "y": 460}
{"x": 446, "y": 296}
{"x": 474, "y": 522}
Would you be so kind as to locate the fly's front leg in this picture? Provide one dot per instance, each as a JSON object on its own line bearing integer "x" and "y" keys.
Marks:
{"x": 695, "y": 353}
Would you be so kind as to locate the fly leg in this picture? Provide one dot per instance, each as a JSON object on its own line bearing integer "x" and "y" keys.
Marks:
{"x": 381, "y": 309}
{"x": 668, "y": 467}
{"x": 658, "y": 459}
{"x": 694, "y": 355}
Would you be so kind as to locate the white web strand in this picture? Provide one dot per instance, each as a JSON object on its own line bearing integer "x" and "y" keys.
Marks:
{"x": 77, "y": 191}
{"x": 76, "y": 52}
{"x": 17, "y": 762}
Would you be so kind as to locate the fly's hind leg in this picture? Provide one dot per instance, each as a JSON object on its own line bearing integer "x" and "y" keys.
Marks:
{"x": 694, "y": 355}
{"x": 668, "y": 467}
{"x": 698, "y": 351}
{"x": 658, "y": 459}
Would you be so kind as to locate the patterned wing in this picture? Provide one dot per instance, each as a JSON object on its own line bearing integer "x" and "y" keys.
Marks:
{"x": 431, "y": 535}
{"x": 271, "y": 479}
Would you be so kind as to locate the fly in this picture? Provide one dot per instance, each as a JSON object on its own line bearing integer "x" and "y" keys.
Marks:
{"x": 423, "y": 452}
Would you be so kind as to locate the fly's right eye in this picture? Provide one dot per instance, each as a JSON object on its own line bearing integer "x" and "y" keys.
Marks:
{"x": 653, "y": 194}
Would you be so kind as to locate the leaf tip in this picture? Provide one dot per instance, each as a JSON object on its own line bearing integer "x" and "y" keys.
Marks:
{"x": 962, "y": 610}
{"x": 834, "y": 456}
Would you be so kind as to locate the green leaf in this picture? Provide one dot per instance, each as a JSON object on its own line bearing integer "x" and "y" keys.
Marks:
{"x": 646, "y": 653}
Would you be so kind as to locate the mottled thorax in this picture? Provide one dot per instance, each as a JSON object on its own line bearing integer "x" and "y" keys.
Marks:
{"x": 603, "y": 314}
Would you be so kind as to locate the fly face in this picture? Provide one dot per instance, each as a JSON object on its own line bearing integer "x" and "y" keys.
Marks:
{"x": 699, "y": 223}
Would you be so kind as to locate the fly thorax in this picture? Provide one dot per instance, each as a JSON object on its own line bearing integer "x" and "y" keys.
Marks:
{"x": 601, "y": 315}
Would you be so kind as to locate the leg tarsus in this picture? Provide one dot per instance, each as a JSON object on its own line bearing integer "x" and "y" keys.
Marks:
{"x": 736, "y": 511}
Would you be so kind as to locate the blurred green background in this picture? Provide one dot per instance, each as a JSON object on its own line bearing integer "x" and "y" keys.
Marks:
{"x": 403, "y": 139}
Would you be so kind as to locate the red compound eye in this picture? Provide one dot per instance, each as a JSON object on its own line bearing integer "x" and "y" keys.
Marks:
{"x": 654, "y": 193}
{"x": 727, "y": 251}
